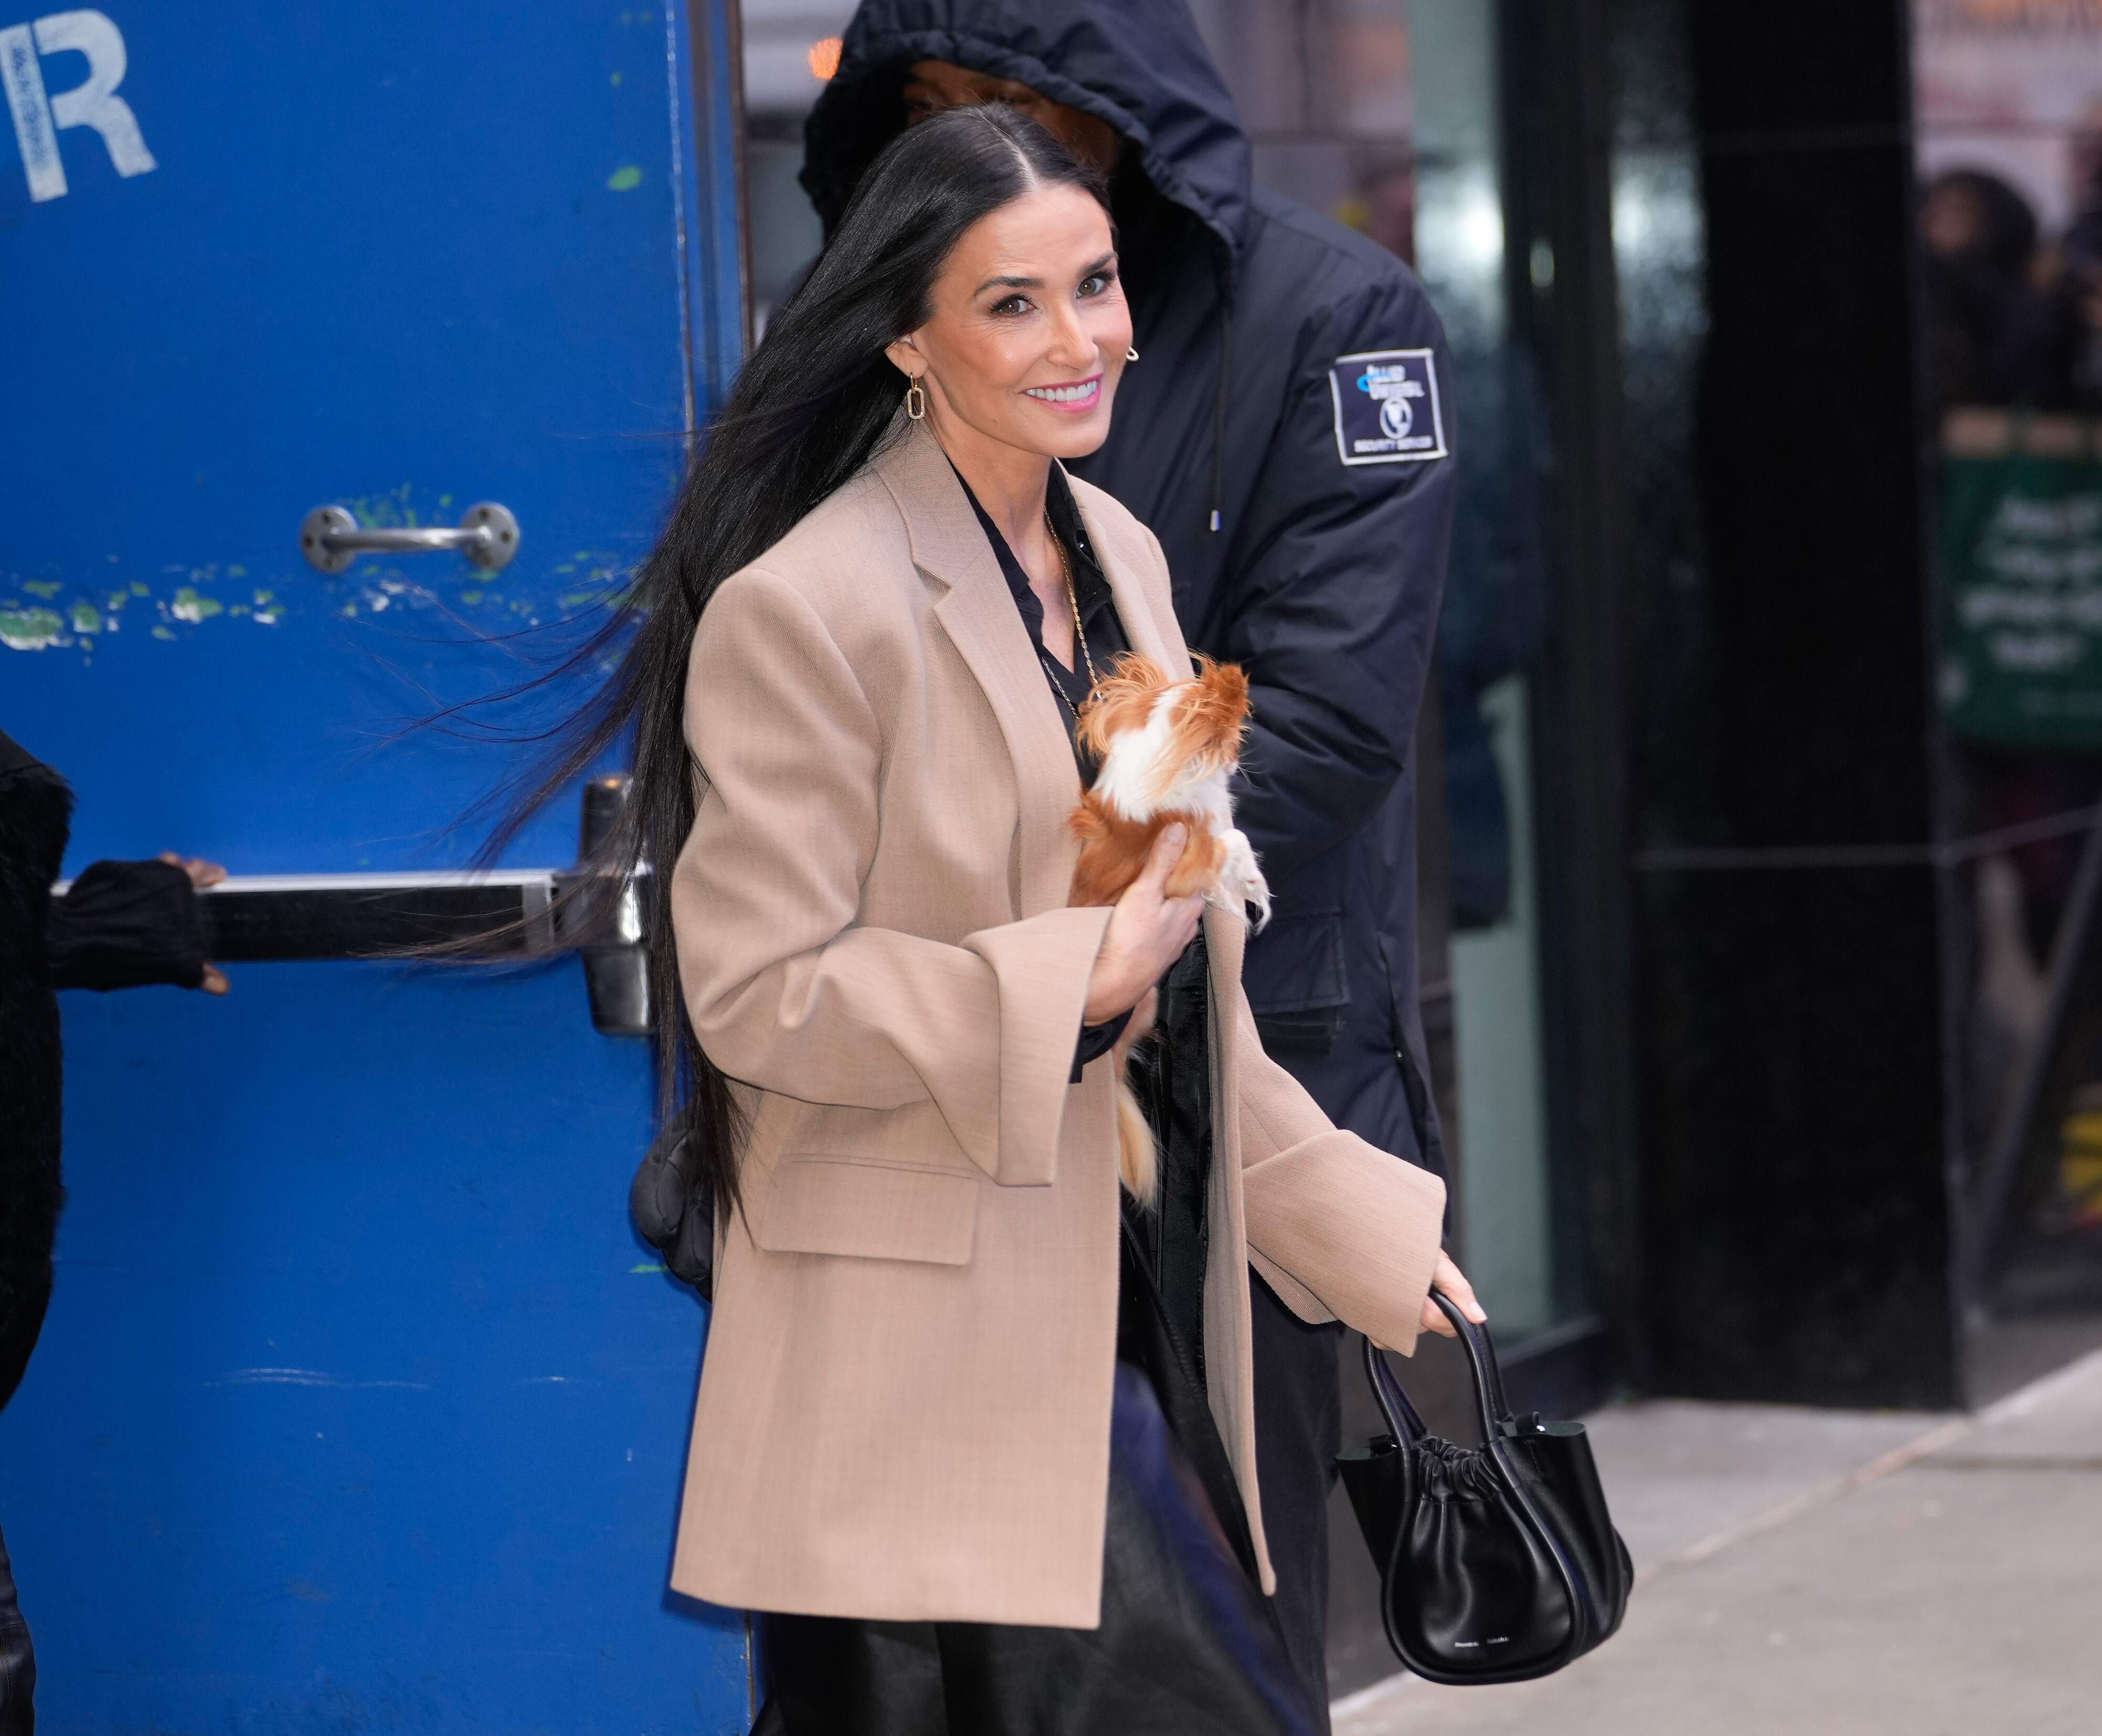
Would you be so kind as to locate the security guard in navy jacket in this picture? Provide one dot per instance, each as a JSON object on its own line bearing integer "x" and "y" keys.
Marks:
{"x": 1284, "y": 436}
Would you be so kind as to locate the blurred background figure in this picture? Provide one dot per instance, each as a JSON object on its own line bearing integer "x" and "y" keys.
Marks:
{"x": 2079, "y": 287}
{"x": 1987, "y": 318}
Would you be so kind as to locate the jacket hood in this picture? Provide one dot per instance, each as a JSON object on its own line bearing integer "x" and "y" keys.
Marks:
{"x": 1138, "y": 64}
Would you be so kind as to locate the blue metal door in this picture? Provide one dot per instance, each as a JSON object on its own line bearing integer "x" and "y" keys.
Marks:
{"x": 358, "y": 1406}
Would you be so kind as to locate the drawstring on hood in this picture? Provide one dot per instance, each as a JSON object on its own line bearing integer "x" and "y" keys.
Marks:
{"x": 1138, "y": 64}
{"x": 1219, "y": 408}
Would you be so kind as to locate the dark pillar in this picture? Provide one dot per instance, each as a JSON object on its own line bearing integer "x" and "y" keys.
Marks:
{"x": 1563, "y": 97}
{"x": 1795, "y": 1214}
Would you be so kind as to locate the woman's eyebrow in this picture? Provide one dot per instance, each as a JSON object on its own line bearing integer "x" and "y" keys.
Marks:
{"x": 1004, "y": 282}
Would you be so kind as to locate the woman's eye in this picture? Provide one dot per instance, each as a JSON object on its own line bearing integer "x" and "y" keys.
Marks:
{"x": 1096, "y": 282}
{"x": 1012, "y": 305}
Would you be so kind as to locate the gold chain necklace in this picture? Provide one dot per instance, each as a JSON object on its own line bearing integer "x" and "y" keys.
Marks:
{"x": 1072, "y": 597}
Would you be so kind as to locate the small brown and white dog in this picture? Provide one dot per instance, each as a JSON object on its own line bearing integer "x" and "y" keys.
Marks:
{"x": 1167, "y": 749}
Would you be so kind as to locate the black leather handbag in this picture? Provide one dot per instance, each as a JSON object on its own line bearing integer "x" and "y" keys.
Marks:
{"x": 1497, "y": 1563}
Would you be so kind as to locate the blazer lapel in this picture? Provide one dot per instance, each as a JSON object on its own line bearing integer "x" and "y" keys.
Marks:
{"x": 980, "y": 618}
{"x": 1147, "y": 637}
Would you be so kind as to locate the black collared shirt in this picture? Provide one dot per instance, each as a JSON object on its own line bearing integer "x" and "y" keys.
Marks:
{"x": 1172, "y": 1075}
{"x": 1100, "y": 624}
{"x": 1069, "y": 688}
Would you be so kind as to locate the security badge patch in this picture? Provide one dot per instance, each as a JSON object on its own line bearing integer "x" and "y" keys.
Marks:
{"x": 1386, "y": 407}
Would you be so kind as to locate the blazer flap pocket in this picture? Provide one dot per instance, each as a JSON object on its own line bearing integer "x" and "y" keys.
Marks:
{"x": 1296, "y": 965}
{"x": 816, "y": 1204}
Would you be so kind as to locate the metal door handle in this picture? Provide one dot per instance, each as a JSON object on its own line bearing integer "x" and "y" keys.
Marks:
{"x": 515, "y": 913}
{"x": 332, "y": 538}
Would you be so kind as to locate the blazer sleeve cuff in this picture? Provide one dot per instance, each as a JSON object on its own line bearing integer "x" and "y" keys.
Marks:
{"x": 1343, "y": 1231}
{"x": 1040, "y": 966}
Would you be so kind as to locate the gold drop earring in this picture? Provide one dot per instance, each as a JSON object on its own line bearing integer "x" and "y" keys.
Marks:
{"x": 915, "y": 400}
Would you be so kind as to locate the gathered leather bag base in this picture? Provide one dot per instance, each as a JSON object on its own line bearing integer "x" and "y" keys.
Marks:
{"x": 1497, "y": 1563}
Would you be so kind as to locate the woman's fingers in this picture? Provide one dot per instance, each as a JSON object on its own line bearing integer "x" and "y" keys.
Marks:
{"x": 1453, "y": 1281}
{"x": 202, "y": 874}
{"x": 1448, "y": 1278}
{"x": 1160, "y": 862}
{"x": 1178, "y": 919}
{"x": 1148, "y": 932}
{"x": 1139, "y": 943}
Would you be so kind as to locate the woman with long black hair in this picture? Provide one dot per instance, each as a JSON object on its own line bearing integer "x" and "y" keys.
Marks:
{"x": 974, "y": 1427}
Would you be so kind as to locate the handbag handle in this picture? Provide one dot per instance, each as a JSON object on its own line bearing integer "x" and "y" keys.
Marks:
{"x": 1402, "y": 1418}
{"x": 1491, "y": 1406}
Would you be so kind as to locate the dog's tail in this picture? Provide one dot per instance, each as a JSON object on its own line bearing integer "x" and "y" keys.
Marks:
{"x": 1136, "y": 1161}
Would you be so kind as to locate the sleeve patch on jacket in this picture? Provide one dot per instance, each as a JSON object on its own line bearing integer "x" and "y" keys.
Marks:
{"x": 1386, "y": 407}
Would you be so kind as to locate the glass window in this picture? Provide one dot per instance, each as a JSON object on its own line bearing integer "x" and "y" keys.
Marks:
{"x": 791, "y": 47}
{"x": 2009, "y": 142}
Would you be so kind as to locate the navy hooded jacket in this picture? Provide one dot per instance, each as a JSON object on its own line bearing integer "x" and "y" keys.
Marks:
{"x": 1284, "y": 436}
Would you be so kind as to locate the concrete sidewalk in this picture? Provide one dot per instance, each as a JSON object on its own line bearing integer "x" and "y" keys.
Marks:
{"x": 1830, "y": 1574}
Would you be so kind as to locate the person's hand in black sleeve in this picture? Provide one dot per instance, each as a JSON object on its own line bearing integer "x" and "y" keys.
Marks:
{"x": 124, "y": 924}
{"x": 1335, "y": 611}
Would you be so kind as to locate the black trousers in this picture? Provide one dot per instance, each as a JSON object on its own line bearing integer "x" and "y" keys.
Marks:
{"x": 18, "y": 1661}
{"x": 1298, "y": 1432}
{"x": 1362, "y": 1083}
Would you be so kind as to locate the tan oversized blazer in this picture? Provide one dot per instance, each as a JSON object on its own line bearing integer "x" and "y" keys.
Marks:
{"x": 904, "y": 1410}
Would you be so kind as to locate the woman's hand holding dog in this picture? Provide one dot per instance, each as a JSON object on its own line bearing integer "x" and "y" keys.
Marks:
{"x": 1148, "y": 932}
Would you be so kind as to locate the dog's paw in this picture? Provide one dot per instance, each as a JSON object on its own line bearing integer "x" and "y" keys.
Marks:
{"x": 1241, "y": 878}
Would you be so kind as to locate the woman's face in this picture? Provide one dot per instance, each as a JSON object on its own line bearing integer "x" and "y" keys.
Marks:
{"x": 1029, "y": 328}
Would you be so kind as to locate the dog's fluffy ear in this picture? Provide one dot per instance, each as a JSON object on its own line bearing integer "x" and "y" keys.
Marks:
{"x": 1121, "y": 701}
{"x": 1225, "y": 685}
{"x": 1211, "y": 716}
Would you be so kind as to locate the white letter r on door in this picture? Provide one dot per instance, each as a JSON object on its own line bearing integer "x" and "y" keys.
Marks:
{"x": 93, "y": 103}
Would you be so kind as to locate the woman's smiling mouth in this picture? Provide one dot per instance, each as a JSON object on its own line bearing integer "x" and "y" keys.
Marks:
{"x": 1080, "y": 394}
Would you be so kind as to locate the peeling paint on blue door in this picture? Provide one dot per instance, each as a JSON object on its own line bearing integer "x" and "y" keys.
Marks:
{"x": 359, "y": 1406}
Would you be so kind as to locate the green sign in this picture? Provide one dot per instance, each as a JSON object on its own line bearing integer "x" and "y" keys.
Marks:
{"x": 2021, "y": 581}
